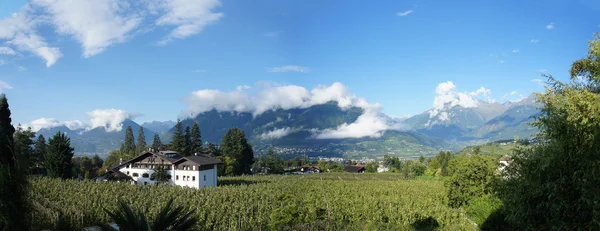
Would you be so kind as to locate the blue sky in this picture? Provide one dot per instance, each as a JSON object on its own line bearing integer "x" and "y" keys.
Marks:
{"x": 146, "y": 60}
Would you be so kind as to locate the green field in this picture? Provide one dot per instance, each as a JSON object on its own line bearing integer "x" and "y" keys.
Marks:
{"x": 279, "y": 202}
{"x": 493, "y": 149}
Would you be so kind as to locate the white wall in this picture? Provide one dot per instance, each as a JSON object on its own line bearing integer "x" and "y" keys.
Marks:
{"x": 196, "y": 178}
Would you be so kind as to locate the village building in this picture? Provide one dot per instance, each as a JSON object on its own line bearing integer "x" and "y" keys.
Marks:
{"x": 355, "y": 169}
{"x": 196, "y": 171}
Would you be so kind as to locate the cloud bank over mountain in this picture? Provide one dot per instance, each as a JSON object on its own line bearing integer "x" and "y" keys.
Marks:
{"x": 371, "y": 123}
{"x": 110, "y": 119}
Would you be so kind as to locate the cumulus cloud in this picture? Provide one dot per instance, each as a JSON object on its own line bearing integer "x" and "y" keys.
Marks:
{"x": 534, "y": 40}
{"x": 97, "y": 25}
{"x": 109, "y": 119}
{"x": 405, "y": 13}
{"x": 550, "y": 26}
{"x": 4, "y": 85}
{"x": 275, "y": 134}
{"x": 538, "y": 81}
{"x": 515, "y": 51}
{"x": 501, "y": 61}
{"x": 371, "y": 123}
{"x": 448, "y": 97}
{"x": 288, "y": 68}
{"x": 42, "y": 123}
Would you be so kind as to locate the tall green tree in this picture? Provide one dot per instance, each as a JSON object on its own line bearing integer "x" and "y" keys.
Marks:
{"x": 13, "y": 183}
{"x": 156, "y": 143}
{"x": 212, "y": 149}
{"x": 97, "y": 162}
{"x": 178, "y": 142}
{"x": 469, "y": 176}
{"x": 188, "y": 141}
{"x": 39, "y": 151}
{"x": 554, "y": 184}
{"x": 141, "y": 141}
{"x": 58, "y": 158}
{"x": 237, "y": 151}
{"x": 128, "y": 145}
{"x": 23, "y": 140}
{"x": 196, "y": 139}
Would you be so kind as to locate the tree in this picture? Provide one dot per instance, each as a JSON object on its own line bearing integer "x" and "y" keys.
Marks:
{"x": 13, "y": 183}
{"x": 156, "y": 144}
{"x": 188, "y": 141}
{"x": 371, "y": 167}
{"x": 212, "y": 149}
{"x": 58, "y": 158}
{"x": 168, "y": 218}
{"x": 469, "y": 177}
{"x": 84, "y": 166}
{"x": 97, "y": 162}
{"x": 271, "y": 163}
{"x": 128, "y": 145}
{"x": 178, "y": 142}
{"x": 23, "y": 140}
{"x": 554, "y": 183}
{"x": 160, "y": 175}
{"x": 113, "y": 158}
{"x": 438, "y": 165}
{"x": 141, "y": 141}
{"x": 39, "y": 151}
{"x": 238, "y": 152}
{"x": 196, "y": 139}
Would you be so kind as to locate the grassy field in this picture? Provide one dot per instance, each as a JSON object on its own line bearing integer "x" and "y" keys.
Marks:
{"x": 494, "y": 149}
{"x": 338, "y": 201}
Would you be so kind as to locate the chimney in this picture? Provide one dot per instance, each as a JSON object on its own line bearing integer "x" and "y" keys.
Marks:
{"x": 150, "y": 149}
{"x": 120, "y": 160}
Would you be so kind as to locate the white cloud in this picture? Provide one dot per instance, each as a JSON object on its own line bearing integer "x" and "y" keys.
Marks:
{"x": 4, "y": 85}
{"x": 448, "y": 97}
{"x": 189, "y": 17}
{"x": 99, "y": 24}
{"x": 550, "y": 26}
{"x": 110, "y": 119}
{"x": 515, "y": 51}
{"x": 513, "y": 93}
{"x": 288, "y": 68}
{"x": 543, "y": 70}
{"x": 7, "y": 51}
{"x": 21, "y": 68}
{"x": 501, "y": 61}
{"x": 405, "y": 13}
{"x": 273, "y": 33}
{"x": 371, "y": 123}
{"x": 199, "y": 71}
{"x": 275, "y": 134}
{"x": 96, "y": 25}
{"x": 242, "y": 87}
{"x": 2, "y": 62}
{"x": 42, "y": 123}
{"x": 534, "y": 40}
{"x": 19, "y": 31}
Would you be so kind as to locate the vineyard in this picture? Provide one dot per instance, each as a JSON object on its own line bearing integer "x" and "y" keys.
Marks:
{"x": 298, "y": 202}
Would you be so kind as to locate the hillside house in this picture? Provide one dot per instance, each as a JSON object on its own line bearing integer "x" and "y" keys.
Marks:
{"x": 196, "y": 171}
{"x": 355, "y": 169}
{"x": 504, "y": 162}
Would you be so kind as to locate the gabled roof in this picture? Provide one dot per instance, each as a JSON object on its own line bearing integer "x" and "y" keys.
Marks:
{"x": 200, "y": 159}
{"x": 143, "y": 155}
{"x": 354, "y": 168}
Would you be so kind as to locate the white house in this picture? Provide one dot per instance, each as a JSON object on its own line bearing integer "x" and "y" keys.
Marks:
{"x": 196, "y": 171}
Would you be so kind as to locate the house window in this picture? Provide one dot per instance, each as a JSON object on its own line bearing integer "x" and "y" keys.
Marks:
{"x": 145, "y": 175}
{"x": 127, "y": 172}
{"x": 176, "y": 177}
{"x": 193, "y": 178}
{"x": 135, "y": 174}
{"x": 204, "y": 177}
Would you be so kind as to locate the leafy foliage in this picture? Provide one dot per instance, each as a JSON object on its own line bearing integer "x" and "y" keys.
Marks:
{"x": 469, "y": 177}
{"x": 338, "y": 201}
{"x": 141, "y": 141}
{"x": 554, "y": 184}
{"x": 438, "y": 165}
{"x": 160, "y": 175}
{"x": 58, "y": 158}
{"x": 169, "y": 218}
{"x": 13, "y": 184}
{"x": 23, "y": 141}
{"x": 237, "y": 152}
{"x": 39, "y": 151}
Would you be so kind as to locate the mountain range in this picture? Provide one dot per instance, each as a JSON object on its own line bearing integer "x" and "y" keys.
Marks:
{"x": 293, "y": 131}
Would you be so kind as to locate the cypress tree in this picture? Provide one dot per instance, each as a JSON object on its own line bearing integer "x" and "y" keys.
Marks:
{"x": 188, "y": 141}
{"x": 39, "y": 151}
{"x": 141, "y": 141}
{"x": 58, "y": 158}
{"x": 128, "y": 147}
{"x": 238, "y": 154}
{"x": 196, "y": 139}
{"x": 178, "y": 142}
{"x": 156, "y": 144}
{"x": 13, "y": 184}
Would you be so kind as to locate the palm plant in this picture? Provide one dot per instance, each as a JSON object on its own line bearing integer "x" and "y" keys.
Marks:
{"x": 169, "y": 218}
